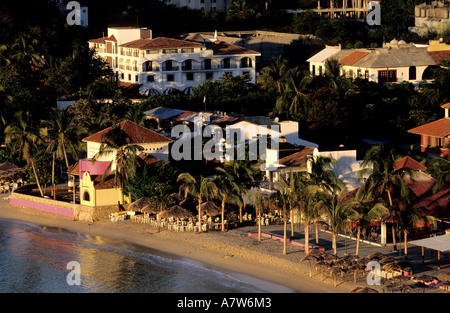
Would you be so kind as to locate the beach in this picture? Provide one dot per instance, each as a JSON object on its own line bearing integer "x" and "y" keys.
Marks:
{"x": 231, "y": 252}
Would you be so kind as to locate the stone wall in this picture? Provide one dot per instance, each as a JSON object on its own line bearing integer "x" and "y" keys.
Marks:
{"x": 76, "y": 211}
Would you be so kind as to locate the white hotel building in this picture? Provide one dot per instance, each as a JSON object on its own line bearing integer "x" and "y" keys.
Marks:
{"x": 164, "y": 64}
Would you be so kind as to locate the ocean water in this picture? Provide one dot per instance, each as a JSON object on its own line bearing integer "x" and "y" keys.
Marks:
{"x": 34, "y": 259}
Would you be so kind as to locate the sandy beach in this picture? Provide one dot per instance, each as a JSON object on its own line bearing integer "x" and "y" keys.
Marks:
{"x": 231, "y": 252}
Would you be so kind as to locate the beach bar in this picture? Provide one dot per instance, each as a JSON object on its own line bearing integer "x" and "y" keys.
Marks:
{"x": 438, "y": 243}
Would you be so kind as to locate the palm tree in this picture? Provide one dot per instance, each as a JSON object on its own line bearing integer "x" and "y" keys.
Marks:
{"x": 243, "y": 173}
{"x": 117, "y": 142}
{"x": 240, "y": 9}
{"x": 23, "y": 51}
{"x": 25, "y": 136}
{"x": 65, "y": 135}
{"x": 320, "y": 174}
{"x": 383, "y": 181}
{"x": 308, "y": 205}
{"x": 439, "y": 169}
{"x": 408, "y": 217}
{"x": 260, "y": 202}
{"x": 367, "y": 210}
{"x": 227, "y": 192}
{"x": 273, "y": 74}
{"x": 340, "y": 209}
{"x": 200, "y": 187}
{"x": 282, "y": 199}
{"x": 292, "y": 98}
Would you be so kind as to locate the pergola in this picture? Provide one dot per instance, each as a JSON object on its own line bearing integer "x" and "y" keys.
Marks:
{"x": 438, "y": 243}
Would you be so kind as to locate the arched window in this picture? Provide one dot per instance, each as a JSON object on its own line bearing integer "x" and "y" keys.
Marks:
{"x": 86, "y": 196}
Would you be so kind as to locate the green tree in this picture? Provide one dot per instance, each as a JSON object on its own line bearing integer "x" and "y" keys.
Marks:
{"x": 367, "y": 210}
{"x": 240, "y": 9}
{"x": 117, "y": 142}
{"x": 261, "y": 202}
{"x": 244, "y": 174}
{"x": 197, "y": 187}
{"x": 340, "y": 210}
{"x": 25, "y": 135}
{"x": 227, "y": 191}
{"x": 155, "y": 182}
{"x": 382, "y": 181}
{"x": 292, "y": 98}
{"x": 439, "y": 168}
{"x": 273, "y": 74}
{"x": 308, "y": 207}
{"x": 64, "y": 135}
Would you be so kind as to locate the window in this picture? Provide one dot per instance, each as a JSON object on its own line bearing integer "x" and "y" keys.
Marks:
{"x": 122, "y": 76}
{"x": 246, "y": 62}
{"x": 150, "y": 78}
{"x": 170, "y": 78}
{"x": 187, "y": 65}
{"x": 207, "y": 64}
{"x": 129, "y": 77}
{"x": 387, "y": 76}
{"x": 190, "y": 76}
{"x": 412, "y": 73}
{"x": 187, "y": 50}
{"x": 313, "y": 70}
{"x": 320, "y": 70}
{"x": 136, "y": 78}
{"x": 366, "y": 74}
{"x": 86, "y": 196}
{"x": 209, "y": 76}
{"x": 153, "y": 51}
{"x": 226, "y": 63}
{"x": 170, "y": 50}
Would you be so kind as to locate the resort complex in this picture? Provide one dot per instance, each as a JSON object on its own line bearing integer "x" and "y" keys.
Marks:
{"x": 324, "y": 162}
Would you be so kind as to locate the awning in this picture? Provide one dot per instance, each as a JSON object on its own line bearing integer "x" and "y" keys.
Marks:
{"x": 439, "y": 243}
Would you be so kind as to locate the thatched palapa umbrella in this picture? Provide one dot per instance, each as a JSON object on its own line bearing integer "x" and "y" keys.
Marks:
{"x": 151, "y": 208}
{"x": 177, "y": 212}
{"x": 139, "y": 204}
{"x": 210, "y": 208}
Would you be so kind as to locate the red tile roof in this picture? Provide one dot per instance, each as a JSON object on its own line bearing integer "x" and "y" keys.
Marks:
{"x": 439, "y": 128}
{"x": 446, "y": 106}
{"x": 353, "y": 58}
{"x": 160, "y": 43}
{"x": 408, "y": 162}
{"x": 137, "y": 134}
{"x": 224, "y": 48}
{"x": 297, "y": 159}
{"x": 102, "y": 40}
{"x": 440, "y": 55}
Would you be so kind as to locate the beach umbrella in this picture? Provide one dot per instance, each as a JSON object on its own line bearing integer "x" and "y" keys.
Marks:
{"x": 150, "y": 208}
{"x": 139, "y": 204}
{"x": 210, "y": 208}
{"x": 177, "y": 212}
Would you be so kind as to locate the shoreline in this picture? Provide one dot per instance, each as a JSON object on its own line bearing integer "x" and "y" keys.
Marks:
{"x": 232, "y": 253}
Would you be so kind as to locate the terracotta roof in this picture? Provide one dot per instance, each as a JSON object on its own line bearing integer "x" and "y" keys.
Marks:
{"x": 353, "y": 58}
{"x": 160, "y": 43}
{"x": 102, "y": 39}
{"x": 437, "y": 203}
{"x": 297, "y": 159}
{"x": 408, "y": 162}
{"x": 74, "y": 169}
{"x": 136, "y": 133}
{"x": 440, "y": 55}
{"x": 439, "y": 128}
{"x": 107, "y": 183}
{"x": 446, "y": 106}
{"x": 149, "y": 159}
{"x": 224, "y": 48}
